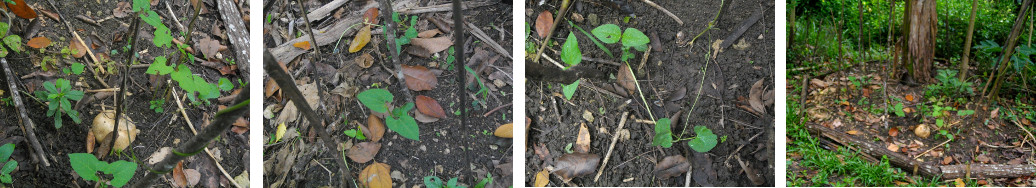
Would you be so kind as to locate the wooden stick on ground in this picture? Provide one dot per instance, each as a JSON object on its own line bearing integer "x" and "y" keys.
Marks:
{"x": 80, "y": 40}
{"x": 615, "y": 138}
{"x": 27, "y": 126}
{"x": 237, "y": 34}
{"x": 207, "y": 151}
{"x": 670, "y": 14}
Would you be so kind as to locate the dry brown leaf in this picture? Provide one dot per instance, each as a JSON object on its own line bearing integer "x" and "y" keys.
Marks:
{"x": 959, "y": 182}
{"x": 209, "y": 47}
{"x": 755, "y": 97}
{"x": 909, "y": 97}
{"x": 90, "y": 141}
{"x": 376, "y": 127}
{"x": 240, "y": 126}
{"x": 122, "y": 9}
{"x": 74, "y": 44}
{"x": 364, "y": 151}
{"x": 671, "y": 166}
{"x": 39, "y": 42}
{"x": 425, "y": 47}
{"x": 852, "y": 132}
{"x": 365, "y": 60}
{"x": 429, "y": 33}
{"x": 543, "y": 23}
{"x": 371, "y": 16}
{"x": 21, "y": 9}
{"x": 421, "y": 117}
{"x": 428, "y": 106}
{"x": 947, "y": 160}
{"x": 542, "y": 178}
{"x": 271, "y": 88}
{"x": 376, "y": 175}
{"x": 541, "y": 151}
{"x": 179, "y": 179}
{"x": 304, "y": 45}
{"x": 894, "y": 131}
{"x": 419, "y": 78}
{"x": 583, "y": 139}
{"x": 504, "y": 131}
{"x": 892, "y": 147}
{"x": 361, "y": 39}
{"x": 626, "y": 79}
{"x": 572, "y": 165}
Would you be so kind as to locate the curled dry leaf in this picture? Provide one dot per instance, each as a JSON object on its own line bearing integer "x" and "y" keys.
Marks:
{"x": 179, "y": 179}
{"x": 209, "y": 47}
{"x": 541, "y": 151}
{"x": 428, "y": 106}
{"x": 583, "y": 140}
{"x": 364, "y": 151}
{"x": 504, "y": 131}
{"x": 376, "y": 128}
{"x": 39, "y": 42}
{"x": 74, "y": 44}
{"x": 304, "y": 45}
{"x": 892, "y": 147}
{"x": 755, "y": 97}
{"x": 543, "y": 23}
{"x": 376, "y": 175}
{"x": 240, "y": 126}
{"x": 421, "y": 117}
{"x": 90, "y": 141}
{"x": 542, "y": 178}
{"x": 371, "y": 16}
{"x": 626, "y": 79}
{"x": 425, "y": 47}
{"x": 365, "y": 60}
{"x": 361, "y": 39}
{"x": 429, "y": 33}
{"x": 671, "y": 166}
{"x": 894, "y": 131}
{"x": 572, "y": 165}
{"x": 122, "y": 9}
{"x": 419, "y": 78}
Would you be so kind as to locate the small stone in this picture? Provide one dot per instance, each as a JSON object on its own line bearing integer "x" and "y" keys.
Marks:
{"x": 175, "y": 141}
{"x": 422, "y": 148}
{"x": 577, "y": 17}
{"x": 438, "y": 168}
{"x": 624, "y": 134}
{"x": 593, "y": 19}
{"x": 499, "y": 83}
{"x": 588, "y": 116}
{"x": 493, "y": 147}
{"x": 446, "y": 152}
{"x": 397, "y": 175}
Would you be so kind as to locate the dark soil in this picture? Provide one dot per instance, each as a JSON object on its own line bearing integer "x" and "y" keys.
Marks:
{"x": 447, "y": 149}
{"x": 157, "y": 130}
{"x": 675, "y": 67}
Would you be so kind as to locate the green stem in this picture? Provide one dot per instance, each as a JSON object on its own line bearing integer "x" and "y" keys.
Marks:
{"x": 712, "y": 23}
{"x": 646, "y": 106}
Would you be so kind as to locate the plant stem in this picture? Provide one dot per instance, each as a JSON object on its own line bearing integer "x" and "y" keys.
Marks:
{"x": 712, "y": 23}
{"x": 120, "y": 99}
{"x": 646, "y": 106}
{"x": 316, "y": 47}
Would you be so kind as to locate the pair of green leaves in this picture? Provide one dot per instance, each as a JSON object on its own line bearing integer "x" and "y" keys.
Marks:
{"x": 435, "y": 182}
{"x": 189, "y": 82}
{"x": 410, "y": 32}
{"x": 399, "y": 120}
{"x": 632, "y": 37}
{"x": 87, "y": 166}
{"x": 58, "y": 94}
{"x": 13, "y": 41}
{"x": 703, "y": 142}
{"x": 355, "y": 133}
{"x": 163, "y": 36}
{"x": 5, "y": 154}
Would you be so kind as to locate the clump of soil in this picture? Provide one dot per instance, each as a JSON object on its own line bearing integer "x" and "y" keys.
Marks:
{"x": 670, "y": 80}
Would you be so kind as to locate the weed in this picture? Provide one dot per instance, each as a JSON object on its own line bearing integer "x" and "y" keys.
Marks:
{"x": 157, "y": 105}
{"x": 435, "y": 182}
{"x": 703, "y": 141}
{"x": 9, "y": 165}
{"x": 631, "y": 38}
{"x": 410, "y": 32}
{"x": 949, "y": 86}
{"x": 195, "y": 86}
{"x": 568, "y": 148}
{"x": 87, "y": 166}
{"x": 570, "y": 53}
{"x": 355, "y": 133}
{"x": 57, "y": 95}
{"x": 570, "y": 89}
{"x": 399, "y": 120}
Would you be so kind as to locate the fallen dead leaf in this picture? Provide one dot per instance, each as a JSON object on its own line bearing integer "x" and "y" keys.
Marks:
{"x": 209, "y": 47}
{"x": 909, "y": 97}
{"x": 852, "y": 132}
{"x": 122, "y": 9}
{"x": 959, "y": 182}
{"x": 361, "y": 39}
{"x": 892, "y": 147}
{"x": 947, "y": 160}
{"x": 376, "y": 128}
{"x": 983, "y": 158}
{"x": 428, "y": 106}
{"x": 39, "y": 42}
{"x": 543, "y": 23}
{"x": 572, "y": 165}
{"x": 376, "y": 175}
{"x": 625, "y": 78}
{"x": 425, "y": 47}
{"x": 304, "y": 45}
{"x": 74, "y": 44}
{"x": 503, "y": 131}
{"x": 755, "y": 97}
{"x": 364, "y": 151}
{"x": 371, "y": 16}
{"x": 240, "y": 126}
{"x": 365, "y": 60}
{"x": 429, "y": 33}
{"x": 542, "y": 178}
{"x": 21, "y": 9}
{"x": 894, "y": 131}
{"x": 179, "y": 179}
{"x": 671, "y": 166}
{"x": 419, "y": 78}
{"x": 583, "y": 139}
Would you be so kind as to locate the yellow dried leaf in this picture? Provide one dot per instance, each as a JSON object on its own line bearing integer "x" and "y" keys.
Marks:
{"x": 542, "y": 178}
{"x": 504, "y": 131}
{"x": 362, "y": 37}
{"x": 304, "y": 45}
{"x": 280, "y": 133}
{"x": 583, "y": 140}
{"x": 959, "y": 182}
{"x": 376, "y": 175}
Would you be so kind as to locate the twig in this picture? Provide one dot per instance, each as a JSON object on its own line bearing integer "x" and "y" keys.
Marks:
{"x": 27, "y": 126}
{"x": 222, "y": 122}
{"x": 308, "y": 26}
{"x": 615, "y": 138}
{"x": 485, "y": 38}
{"x": 495, "y": 109}
{"x": 173, "y": 14}
{"x": 605, "y": 61}
{"x": 80, "y": 39}
{"x": 207, "y": 151}
{"x": 120, "y": 98}
{"x": 726, "y": 162}
{"x": 1024, "y": 129}
{"x": 670, "y": 14}
{"x": 441, "y": 8}
{"x": 553, "y": 61}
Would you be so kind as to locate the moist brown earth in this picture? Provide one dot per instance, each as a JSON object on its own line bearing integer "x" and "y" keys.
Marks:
{"x": 727, "y": 81}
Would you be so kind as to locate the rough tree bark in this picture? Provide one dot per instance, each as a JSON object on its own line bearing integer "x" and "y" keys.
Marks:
{"x": 967, "y": 42}
{"x": 1012, "y": 41}
{"x": 922, "y": 39}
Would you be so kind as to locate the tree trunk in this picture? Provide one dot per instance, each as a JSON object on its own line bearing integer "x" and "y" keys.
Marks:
{"x": 904, "y": 47}
{"x": 967, "y": 42}
{"x": 1012, "y": 41}
{"x": 791, "y": 25}
{"x": 922, "y": 39}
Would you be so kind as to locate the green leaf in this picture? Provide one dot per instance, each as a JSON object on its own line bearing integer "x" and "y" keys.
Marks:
{"x": 49, "y": 86}
{"x": 163, "y": 37}
{"x": 122, "y": 171}
{"x": 10, "y": 166}
{"x": 225, "y": 84}
{"x": 592, "y": 39}
{"x": 65, "y": 105}
{"x": 63, "y": 85}
{"x": 965, "y": 112}
{"x": 633, "y": 37}
{"x": 139, "y": 5}
{"x": 704, "y": 141}
{"x": 663, "y": 134}
{"x": 608, "y": 33}
{"x": 5, "y": 151}
{"x": 350, "y": 133}
{"x": 406, "y": 126}
{"x": 570, "y": 89}
{"x": 482, "y": 184}
{"x": 570, "y": 53}
{"x": 74, "y": 95}
{"x": 410, "y": 33}
{"x": 14, "y": 42}
{"x": 77, "y": 68}
{"x": 3, "y": 51}
{"x": 432, "y": 182}
{"x": 899, "y": 110}
{"x": 4, "y": 27}
{"x": 75, "y": 116}
{"x": 452, "y": 182}
{"x": 57, "y": 121}
{"x": 375, "y": 99}
{"x": 85, "y": 165}
{"x": 159, "y": 67}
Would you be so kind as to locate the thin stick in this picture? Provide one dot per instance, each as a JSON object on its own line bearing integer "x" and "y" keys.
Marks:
{"x": 615, "y": 138}
{"x": 557, "y": 20}
{"x": 27, "y": 126}
{"x": 670, "y": 14}
{"x": 562, "y": 67}
{"x": 207, "y": 151}
{"x": 310, "y": 28}
{"x": 495, "y": 109}
{"x": 739, "y": 148}
{"x": 485, "y": 38}
{"x": 80, "y": 39}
